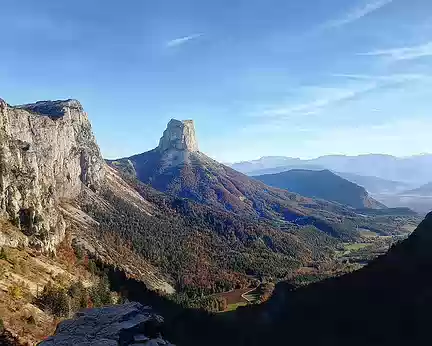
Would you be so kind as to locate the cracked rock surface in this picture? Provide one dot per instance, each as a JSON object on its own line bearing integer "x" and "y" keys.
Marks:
{"x": 127, "y": 324}
{"x": 47, "y": 154}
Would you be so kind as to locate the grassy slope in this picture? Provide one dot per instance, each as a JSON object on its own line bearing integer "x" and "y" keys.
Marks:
{"x": 23, "y": 274}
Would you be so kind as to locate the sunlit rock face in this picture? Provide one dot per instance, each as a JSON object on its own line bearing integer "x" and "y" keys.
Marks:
{"x": 47, "y": 154}
{"x": 178, "y": 144}
{"x": 179, "y": 135}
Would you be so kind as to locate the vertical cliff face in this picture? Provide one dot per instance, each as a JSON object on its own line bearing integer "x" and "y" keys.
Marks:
{"x": 179, "y": 135}
{"x": 177, "y": 144}
{"x": 47, "y": 153}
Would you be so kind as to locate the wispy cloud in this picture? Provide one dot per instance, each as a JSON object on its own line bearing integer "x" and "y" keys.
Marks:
{"x": 182, "y": 40}
{"x": 404, "y": 53}
{"x": 392, "y": 79}
{"x": 359, "y": 12}
{"x": 319, "y": 99}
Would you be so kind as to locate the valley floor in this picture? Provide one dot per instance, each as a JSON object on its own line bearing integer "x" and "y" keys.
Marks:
{"x": 348, "y": 257}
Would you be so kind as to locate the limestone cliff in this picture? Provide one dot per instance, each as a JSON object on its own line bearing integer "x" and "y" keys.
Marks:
{"x": 179, "y": 135}
{"x": 47, "y": 154}
{"x": 178, "y": 144}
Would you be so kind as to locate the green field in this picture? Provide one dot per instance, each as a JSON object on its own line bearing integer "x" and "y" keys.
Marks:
{"x": 348, "y": 248}
{"x": 232, "y": 307}
{"x": 367, "y": 233}
{"x": 355, "y": 246}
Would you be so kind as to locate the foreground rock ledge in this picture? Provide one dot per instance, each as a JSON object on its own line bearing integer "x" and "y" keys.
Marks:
{"x": 128, "y": 324}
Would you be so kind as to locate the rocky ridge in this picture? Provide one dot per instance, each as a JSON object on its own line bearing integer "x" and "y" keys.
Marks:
{"x": 128, "y": 324}
{"x": 48, "y": 153}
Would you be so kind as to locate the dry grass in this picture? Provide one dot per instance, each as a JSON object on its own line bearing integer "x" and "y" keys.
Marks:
{"x": 23, "y": 274}
{"x": 24, "y": 319}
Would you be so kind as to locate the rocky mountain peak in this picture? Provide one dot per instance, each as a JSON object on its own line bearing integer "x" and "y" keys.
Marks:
{"x": 53, "y": 109}
{"x": 179, "y": 135}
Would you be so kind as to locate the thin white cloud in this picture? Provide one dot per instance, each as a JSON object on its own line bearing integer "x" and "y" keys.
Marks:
{"x": 319, "y": 99}
{"x": 395, "y": 78}
{"x": 182, "y": 40}
{"x": 404, "y": 53}
{"x": 359, "y": 12}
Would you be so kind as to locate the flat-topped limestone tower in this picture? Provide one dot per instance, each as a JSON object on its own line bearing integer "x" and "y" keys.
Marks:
{"x": 179, "y": 135}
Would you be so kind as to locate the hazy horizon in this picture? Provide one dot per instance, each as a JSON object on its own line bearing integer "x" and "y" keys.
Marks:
{"x": 317, "y": 157}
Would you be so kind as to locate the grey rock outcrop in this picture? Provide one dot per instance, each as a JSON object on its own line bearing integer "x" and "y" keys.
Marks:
{"x": 179, "y": 135}
{"x": 128, "y": 324}
{"x": 178, "y": 144}
{"x": 47, "y": 154}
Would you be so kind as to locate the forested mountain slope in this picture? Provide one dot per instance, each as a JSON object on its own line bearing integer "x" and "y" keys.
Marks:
{"x": 178, "y": 168}
{"x": 197, "y": 248}
{"x": 386, "y": 303}
{"x": 321, "y": 184}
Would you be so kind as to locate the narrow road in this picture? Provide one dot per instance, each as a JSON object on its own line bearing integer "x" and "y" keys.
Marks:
{"x": 246, "y": 293}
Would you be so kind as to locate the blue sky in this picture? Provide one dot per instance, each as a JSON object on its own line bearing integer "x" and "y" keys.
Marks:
{"x": 259, "y": 77}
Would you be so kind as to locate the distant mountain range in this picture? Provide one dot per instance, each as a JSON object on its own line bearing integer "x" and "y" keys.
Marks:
{"x": 424, "y": 190}
{"x": 375, "y": 185}
{"x": 322, "y": 184}
{"x": 413, "y": 170}
{"x": 393, "y": 181}
{"x": 256, "y": 167}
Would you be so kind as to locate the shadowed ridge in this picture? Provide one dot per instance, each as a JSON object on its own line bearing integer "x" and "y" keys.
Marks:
{"x": 387, "y": 302}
